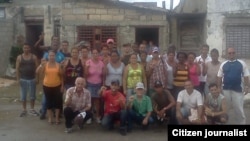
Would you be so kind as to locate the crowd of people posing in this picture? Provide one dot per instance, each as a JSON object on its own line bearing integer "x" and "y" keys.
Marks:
{"x": 137, "y": 85}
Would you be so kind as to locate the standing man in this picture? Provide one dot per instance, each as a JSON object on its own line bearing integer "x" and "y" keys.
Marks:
{"x": 26, "y": 65}
{"x": 231, "y": 72}
{"x": 202, "y": 60}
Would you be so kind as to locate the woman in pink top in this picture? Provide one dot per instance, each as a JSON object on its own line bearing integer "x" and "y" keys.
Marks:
{"x": 94, "y": 74}
{"x": 194, "y": 70}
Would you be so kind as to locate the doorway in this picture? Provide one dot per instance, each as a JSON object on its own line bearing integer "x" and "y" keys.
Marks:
{"x": 147, "y": 34}
{"x": 33, "y": 31}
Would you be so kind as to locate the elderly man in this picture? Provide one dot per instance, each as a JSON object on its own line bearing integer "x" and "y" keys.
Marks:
{"x": 231, "y": 72}
{"x": 189, "y": 106}
{"x": 78, "y": 104}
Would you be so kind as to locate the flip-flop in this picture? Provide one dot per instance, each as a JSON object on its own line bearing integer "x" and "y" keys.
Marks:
{"x": 58, "y": 122}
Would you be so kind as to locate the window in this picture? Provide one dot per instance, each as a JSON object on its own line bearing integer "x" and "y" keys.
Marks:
{"x": 191, "y": 34}
{"x": 57, "y": 27}
{"x": 96, "y": 34}
{"x": 238, "y": 36}
{"x": 2, "y": 13}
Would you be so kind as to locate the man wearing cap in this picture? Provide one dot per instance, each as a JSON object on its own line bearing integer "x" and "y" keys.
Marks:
{"x": 111, "y": 44}
{"x": 156, "y": 69}
{"x": 114, "y": 107}
{"x": 163, "y": 101}
{"x": 78, "y": 104}
{"x": 139, "y": 108}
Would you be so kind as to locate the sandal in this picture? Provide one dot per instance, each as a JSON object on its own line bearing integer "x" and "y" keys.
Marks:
{"x": 50, "y": 122}
{"x": 58, "y": 122}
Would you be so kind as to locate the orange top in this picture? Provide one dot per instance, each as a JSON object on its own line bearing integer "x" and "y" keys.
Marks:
{"x": 52, "y": 76}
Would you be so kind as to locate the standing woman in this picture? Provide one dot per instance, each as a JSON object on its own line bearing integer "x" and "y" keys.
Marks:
{"x": 94, "y": 74}
{"x": 171, "y": 66}
{"x": 133, "y": 73}
{"x": 84, "y": 55}
{"x": 194, "y": 71}
{"x": 180, "y": 73}
{"x": 105, "y": 54}
{"x": 52, "y": 86}
{"x": 114, "y": 70}
{"x": 73, "y": 68}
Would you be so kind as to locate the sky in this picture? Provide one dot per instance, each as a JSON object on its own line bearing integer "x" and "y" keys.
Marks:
{"x": 159, "y": 2}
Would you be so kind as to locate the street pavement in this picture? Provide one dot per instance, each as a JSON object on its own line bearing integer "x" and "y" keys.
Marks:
{"x": 30, "y": 128}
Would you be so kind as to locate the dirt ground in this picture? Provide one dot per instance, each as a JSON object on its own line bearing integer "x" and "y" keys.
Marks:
{"x": 30, "y": 128}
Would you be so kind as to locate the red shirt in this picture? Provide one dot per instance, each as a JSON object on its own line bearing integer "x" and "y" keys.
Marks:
{"x": 111, "y": 101}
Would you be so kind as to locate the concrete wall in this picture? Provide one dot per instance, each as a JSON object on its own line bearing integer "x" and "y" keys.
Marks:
{"x": 191, "y": 6}
{"x": 92, "y": 13}
{"x": 6, "y": 42}
{"x": 72, "y": 13}
{"x": 215, "y": 20}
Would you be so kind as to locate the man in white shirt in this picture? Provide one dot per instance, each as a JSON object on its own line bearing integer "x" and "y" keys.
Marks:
{"x": 189, "y": 100}
{"x": 201, "y": 60}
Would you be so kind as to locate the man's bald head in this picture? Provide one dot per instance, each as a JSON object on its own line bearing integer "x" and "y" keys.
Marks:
{"x": 80, "y": 83}
{"x": 231, "y": 53}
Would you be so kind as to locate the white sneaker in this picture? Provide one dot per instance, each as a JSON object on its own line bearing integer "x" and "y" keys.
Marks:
{"x": 68, "y": 130}
{"x": 98, "y": 120}
{"x": 89, "y": 121}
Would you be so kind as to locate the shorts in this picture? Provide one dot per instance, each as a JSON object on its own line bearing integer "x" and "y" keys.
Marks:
{"x": 94, "y": 88}
{"x": 28, "y": 86}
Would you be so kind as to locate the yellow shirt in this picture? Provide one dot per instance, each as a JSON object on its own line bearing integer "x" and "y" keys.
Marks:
{"x": 52, "y": 76}
{"x": 134, "y": 76}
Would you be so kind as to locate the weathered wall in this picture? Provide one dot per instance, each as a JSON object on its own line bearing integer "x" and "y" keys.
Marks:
{"x": 215, "y": 20}
{"x": 6, "y": 41}
{"x": 191, "y": 6}
{"x": 102, "y": 13}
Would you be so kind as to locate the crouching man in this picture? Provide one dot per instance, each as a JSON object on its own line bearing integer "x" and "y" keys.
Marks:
{"x": 78, "y": 104}
{"x": 114, "y": 102}
{"x": 139, "y": 108}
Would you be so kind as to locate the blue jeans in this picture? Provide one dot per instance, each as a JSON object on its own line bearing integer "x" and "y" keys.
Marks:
{"x": 109, "y": 119}
{"x": 28, "y": 86}
{"x": 134, "y": 117}
{"x": 94, "y": 88}
{"x": 44, "y": 107}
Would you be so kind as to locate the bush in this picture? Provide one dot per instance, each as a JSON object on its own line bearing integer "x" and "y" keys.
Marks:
{"x": 15, "y": 51}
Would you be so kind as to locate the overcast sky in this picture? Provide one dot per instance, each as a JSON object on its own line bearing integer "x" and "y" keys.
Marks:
{"x": 159, "y": 2}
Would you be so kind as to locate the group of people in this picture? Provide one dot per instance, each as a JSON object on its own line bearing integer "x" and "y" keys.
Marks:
{"x": 139, "y": 86}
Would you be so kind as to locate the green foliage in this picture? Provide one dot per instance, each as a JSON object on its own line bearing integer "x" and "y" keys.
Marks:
{"x": 15, "y": 51}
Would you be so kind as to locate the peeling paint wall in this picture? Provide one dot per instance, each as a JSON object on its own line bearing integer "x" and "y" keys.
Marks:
{"x": 215, "y": 20}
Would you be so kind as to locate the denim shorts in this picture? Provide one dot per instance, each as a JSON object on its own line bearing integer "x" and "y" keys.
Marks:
{"x": 94, "y": 88}
{"x": 28, "y": 86}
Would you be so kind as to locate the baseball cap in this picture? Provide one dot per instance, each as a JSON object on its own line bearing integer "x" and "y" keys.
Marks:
{"x": 158, "y": 83}
{"x": 155, "y": 49}
{"x": 139, "y": 85}
{"x": 115, "y": 82}
{"x": 110, "y": 40}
